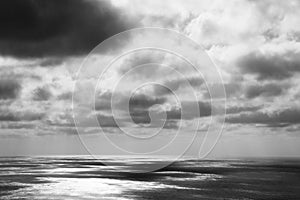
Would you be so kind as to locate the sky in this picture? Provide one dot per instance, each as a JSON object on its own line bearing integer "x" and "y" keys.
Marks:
{"x": 255, "y": 45}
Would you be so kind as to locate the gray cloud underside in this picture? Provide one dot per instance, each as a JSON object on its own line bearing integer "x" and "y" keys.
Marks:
{"x": 9, "y": 115}
{"x": 175, "y": 84}
{"x": 34, "y": 28}
{"x": 265, "y": 90}
{"x": 217, "y": 90}
{"x": 276, "y": 118}
{"x": 41, "y": 94}
{"x": 240, "y": 109}
{"x": 9, "y": 88}
{"x": 137, "y": 101}
{"x": 270, "y": 67}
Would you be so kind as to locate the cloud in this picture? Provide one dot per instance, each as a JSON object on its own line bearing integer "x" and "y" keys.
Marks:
{"x": 51, "y": 33}
{"x": 175, "y": 21}
{"x": 17, "y": 125}
{"x": 9, "y": 88}
{"x": 8, "y": 115}
{"x": 223, "y": 23}
{"x": 139, "y": 105}
{"x": 136, "y": 101}
{"x": 170, "y": 86}
{"x": 270, "y": 66}
{"x": 103, "y": 101}
{"x": 50, "y": 62}
{"x": 204, "y": 109}
{"x": 18, "y": 73}
{"x": 140, "y": 116}
{"x": 65, "y": 96}
{"x": 138, "y": 61}
{"x": 63, "y": 118}
{"x": 145, "y": 109}
{"x": 265, "y": 90}
{"x": 153, "y": 65}
{"x": 171, "y": 124}
{"x": 33, "y": 28}
{"x": 275, "y": 119}
{"x": 144, "y": 101}
{"x": 217, "y": 90}
{"x": 239, "y": 109}
{"x": 41, "y": 94}
{"x": 108, "y": 121}
{"x": 153, "y": 119}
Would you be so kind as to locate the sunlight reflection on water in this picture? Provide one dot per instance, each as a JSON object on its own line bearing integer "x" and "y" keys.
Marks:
{"x": 88, "y": 188}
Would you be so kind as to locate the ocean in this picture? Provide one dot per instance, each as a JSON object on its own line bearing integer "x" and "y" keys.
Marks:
{"x": 81, "y": 177}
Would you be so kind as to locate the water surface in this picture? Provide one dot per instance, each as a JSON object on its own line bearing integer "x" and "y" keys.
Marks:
{"x": 81, "y": 177}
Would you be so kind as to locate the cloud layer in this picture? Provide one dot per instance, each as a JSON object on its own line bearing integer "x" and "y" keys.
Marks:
{"x": 255, "y": 45}
{"x": 57, "y": 27}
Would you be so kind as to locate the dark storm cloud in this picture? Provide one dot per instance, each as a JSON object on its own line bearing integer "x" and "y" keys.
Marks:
{"x": 275, "y": 119}
{"x": 9, "y": 88}
{"x": 50, "y": 62}
{"x": 41, "y": 94}
{"x": 270, "y": 67}
{"x": 265, "y": 90}
{"x": 35, "y": 28}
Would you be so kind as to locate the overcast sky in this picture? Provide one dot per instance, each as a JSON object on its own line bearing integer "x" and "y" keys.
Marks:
{"x": 255, "y": 45}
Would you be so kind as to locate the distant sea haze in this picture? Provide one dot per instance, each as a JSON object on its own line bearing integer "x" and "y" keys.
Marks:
{"x": 80, "y": 177}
